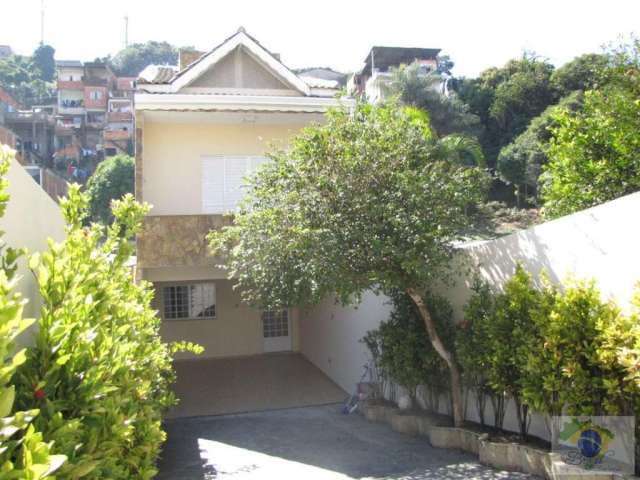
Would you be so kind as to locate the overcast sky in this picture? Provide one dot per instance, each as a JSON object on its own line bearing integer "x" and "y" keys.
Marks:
{"x": 338, "y": 33}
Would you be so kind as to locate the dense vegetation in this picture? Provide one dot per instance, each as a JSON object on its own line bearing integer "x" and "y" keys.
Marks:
{"x": 113, "y": 178}
{"x": 132, "y": 60}
{"x": 545, "y": 349}
{"x": 371, "y": 199}
{"x": 86, "y": 398}
{"x": 29, "y": 79}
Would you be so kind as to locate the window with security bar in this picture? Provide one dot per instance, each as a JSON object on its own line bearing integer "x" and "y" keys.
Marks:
{"x": 275, "y": 323}
{"x": 189, "y": 301}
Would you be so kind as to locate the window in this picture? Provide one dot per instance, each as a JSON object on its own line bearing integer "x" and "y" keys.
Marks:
{"x": 223, "y": 182}
{"x": 95, "y": 95}
{"x": 189, "y": 301}
{"x": 275, "y": 323}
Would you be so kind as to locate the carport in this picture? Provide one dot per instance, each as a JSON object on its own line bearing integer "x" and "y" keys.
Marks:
{"x": 218, "y": 386}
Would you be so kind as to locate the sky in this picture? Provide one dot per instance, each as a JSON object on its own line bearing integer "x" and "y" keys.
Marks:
{"x": 477, "y": 34}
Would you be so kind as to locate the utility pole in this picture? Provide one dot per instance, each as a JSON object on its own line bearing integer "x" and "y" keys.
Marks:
{"x": 126, "y": 31}
{"x": 41, "y": 22}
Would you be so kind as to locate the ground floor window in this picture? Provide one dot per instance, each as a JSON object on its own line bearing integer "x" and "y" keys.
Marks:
{"x": 192, "y": 300}
{"x": 275, "y": 323}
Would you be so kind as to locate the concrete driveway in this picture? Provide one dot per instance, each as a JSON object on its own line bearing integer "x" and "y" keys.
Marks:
{"x": 310, "y": 443}
{"x": 249, "y": 384}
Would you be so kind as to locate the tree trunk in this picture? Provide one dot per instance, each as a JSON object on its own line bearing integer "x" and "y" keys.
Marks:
{"x": 454, "y": 371}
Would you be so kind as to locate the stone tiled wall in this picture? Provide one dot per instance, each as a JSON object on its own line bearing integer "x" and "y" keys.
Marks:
{"x": 177, "y": 240}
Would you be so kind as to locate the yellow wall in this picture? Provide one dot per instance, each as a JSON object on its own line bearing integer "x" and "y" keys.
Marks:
{"x": 237, "y": 328}
{"x": 31, "y": 218}
{"x": 172, "y": 164}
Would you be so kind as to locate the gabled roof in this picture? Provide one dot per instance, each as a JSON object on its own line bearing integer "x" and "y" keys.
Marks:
{"x": 385, "y": 57}
{"x": 241, "y": 38}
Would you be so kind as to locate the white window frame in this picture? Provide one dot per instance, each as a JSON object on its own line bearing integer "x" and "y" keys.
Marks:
{"x": 192, "y": 305}
{"x": 222, "y": 195}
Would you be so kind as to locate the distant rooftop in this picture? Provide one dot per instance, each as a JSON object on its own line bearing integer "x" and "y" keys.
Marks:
{"x": 385, "y": 57}
{"x": 68, "y": 63}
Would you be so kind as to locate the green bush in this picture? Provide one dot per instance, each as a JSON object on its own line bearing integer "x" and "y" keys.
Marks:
{"x": 23, "y": 453}
{"x": 113, "y": 178}
{"x": 99, "y": 367}
{"x": 471, "y": 342}
{"x": 404, "y": 353}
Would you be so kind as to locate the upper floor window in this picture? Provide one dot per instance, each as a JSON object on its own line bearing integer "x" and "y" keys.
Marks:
{"x": 223, "y": 180}
{"x": 95, "y": 95}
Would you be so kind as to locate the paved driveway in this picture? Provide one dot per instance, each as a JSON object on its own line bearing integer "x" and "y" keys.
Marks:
{"x": 310, "y": 443}
{"x": 250, "y": 384}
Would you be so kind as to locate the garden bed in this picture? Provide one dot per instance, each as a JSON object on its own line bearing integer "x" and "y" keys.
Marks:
{"x": 495, "y": 448}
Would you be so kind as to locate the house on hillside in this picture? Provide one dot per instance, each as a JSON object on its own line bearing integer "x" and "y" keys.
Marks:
{"x": 199, "y": 130}
{"x": 371, "y": 79}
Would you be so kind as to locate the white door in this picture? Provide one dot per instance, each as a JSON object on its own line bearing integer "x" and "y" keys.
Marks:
{"x": 276, "y": 331}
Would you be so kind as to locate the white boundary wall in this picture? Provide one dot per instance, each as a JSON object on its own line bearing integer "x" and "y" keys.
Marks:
{"x": 601, "y": 243}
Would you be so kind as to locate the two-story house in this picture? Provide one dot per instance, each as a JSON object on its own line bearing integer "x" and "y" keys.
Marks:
{"x": 199, "y": 130}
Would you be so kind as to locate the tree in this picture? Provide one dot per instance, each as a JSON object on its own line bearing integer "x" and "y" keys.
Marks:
{"x": 361, "y": 202}
{"x": 594, "y": 156}
{"x": 448, "y": 114}
{"x": 507, "y": 98}
{"x": 582, "y": 73}
{"x": 520, "y": 163}
{"x": 136, "y": 57}
{"x": 113, "y": 178}
{"x": 24, "y": 81}
{"x": 43, "y": 59}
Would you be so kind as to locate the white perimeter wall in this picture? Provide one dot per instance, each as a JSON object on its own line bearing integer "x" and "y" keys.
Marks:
{"x": 601, "y": 243}
{"x": 330, "y": 337}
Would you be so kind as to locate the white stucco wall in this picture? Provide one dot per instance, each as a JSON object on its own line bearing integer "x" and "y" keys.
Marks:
{"x": 330, "y": 336}
{"x": 31, "y": 218}
{"x": 599, "y": 243}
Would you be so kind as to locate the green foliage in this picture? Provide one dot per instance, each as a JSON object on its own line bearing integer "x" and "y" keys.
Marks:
{"x": 520, "y": 163}
{"x": 113, "y": 178}
{"x": 448, "y": 114}
{"x": 25, "y": 78}
{"x": 100, "y": 371}
{"x": 582, "y": 73}
{"x": 23, "y": 453}
{"x": 472, "y": 342}
{"x": 363, "y": 201}
{"x": 595, "y": 153}
{"x": 507, "y": 98}
{"x": 404, "y": 353}
{"x": 43, "y": 59}
{"x": 136, "y": 57}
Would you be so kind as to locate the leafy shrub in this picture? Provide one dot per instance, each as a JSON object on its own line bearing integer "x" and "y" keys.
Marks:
{"x": 113, "y": 178}
{"x": 405, "y": 354}
{"x": 23, "y": 453}
{"x": 471, "y": 340}
{"x": 99, "y": 366}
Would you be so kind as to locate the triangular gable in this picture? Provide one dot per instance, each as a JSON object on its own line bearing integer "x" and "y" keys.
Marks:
{"x": 220, "y": 67}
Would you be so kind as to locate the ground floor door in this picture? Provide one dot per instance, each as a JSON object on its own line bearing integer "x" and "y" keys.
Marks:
{"x": 276, "y": 330}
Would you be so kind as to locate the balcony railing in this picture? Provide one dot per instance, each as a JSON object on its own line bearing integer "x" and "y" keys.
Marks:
{"x": 119, "y": 116}
{"x": 114, "y": 135}
{"x": 70, "y": 85}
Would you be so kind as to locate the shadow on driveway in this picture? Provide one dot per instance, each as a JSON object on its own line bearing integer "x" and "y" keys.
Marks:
{"x": 307, "y": 444}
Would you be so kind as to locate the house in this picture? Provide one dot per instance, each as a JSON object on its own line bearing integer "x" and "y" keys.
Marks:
{"x": 95, "y": 112}
{"x": 379, "y": 62}
{"x": 199, "y": 130}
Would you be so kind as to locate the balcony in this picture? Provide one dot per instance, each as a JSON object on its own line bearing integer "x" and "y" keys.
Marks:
{"x": 70, "y": 85}
{"x": 115, "y": 135}
{"x": 71, "y": 107}
{"x": 119, "y": 117}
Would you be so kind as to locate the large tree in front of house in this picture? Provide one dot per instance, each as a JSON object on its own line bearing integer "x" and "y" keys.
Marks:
{"x": 368, "y": 200}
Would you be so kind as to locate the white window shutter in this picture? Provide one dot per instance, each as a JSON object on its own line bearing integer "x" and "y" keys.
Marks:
{"x": 224, "y": 180}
